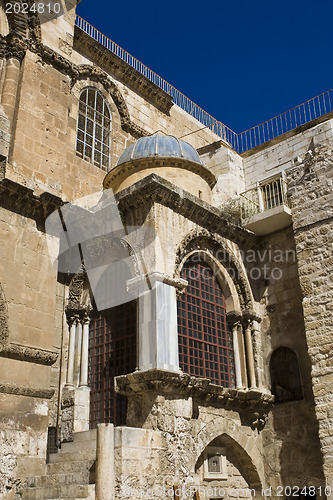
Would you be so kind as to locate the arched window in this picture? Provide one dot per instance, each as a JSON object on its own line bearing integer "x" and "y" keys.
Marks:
{"x": 93, "y": 141}
{"x": 204, "y": 336}
{"x": 285, "y": 376}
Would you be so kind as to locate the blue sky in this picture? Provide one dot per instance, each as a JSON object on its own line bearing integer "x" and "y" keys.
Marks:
{"x": 243, "y": 62}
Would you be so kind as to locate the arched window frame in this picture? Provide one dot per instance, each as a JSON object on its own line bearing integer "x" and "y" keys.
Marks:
{"x": 287, "y": 392}
{"x": 93, "y": 137}
{"x": 204, "y": 371}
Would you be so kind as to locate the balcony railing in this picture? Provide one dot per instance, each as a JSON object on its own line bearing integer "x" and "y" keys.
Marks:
{"x": 264, "y": 197}
{"x": 304, "y": 113}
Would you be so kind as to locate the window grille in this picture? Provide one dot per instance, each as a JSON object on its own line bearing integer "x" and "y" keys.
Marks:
{"x": 93, "y": 142}
{"x": 285, "y": 376}
{"x": 112, "y": 352}
{"x": 204, "y": 336}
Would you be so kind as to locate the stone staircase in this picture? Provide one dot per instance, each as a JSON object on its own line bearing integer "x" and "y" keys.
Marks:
{"x": 70, "y": 473}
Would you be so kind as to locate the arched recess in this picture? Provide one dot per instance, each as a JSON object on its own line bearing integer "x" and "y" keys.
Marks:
{"x": 286, "y": 383}
{"x": 242, "y": 445}
{"x": 218, "y": 254}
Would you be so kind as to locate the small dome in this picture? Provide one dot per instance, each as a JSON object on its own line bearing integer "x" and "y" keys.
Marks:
{"x": 159, "y": 146}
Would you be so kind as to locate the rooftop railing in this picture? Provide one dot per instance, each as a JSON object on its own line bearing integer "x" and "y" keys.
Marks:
{"x": 300, "y": 115}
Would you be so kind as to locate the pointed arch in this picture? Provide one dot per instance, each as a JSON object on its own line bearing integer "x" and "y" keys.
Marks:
{"x": 234, "y": 438}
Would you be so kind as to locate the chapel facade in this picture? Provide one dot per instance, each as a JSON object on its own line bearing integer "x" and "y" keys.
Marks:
{"x": 165, "y": 299}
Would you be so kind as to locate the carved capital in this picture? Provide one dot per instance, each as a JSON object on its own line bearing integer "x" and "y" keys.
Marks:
{"x": 16, "y": 46}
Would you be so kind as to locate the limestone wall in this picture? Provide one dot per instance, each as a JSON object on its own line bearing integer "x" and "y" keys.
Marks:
{"x": 279, "y": 155}
{"x": 310, "y": 188}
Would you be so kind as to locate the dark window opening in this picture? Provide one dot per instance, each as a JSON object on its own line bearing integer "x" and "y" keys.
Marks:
{"x": 285, "y": 376}
{"x": 204, "y": 336}
{"x": 112, "y": 352}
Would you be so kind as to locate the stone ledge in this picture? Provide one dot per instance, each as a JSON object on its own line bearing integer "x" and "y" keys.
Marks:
{"x": 154, "y": 188}
{"x": 181, "y": 385}
{"x": 22, "y": 200}
{"x": 18, "y": 390}
{"x": 28, "y": 354}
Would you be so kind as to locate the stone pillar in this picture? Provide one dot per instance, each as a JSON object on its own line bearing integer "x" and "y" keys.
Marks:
{"x": 158, "y": 333}
{"x": 15, "y": 51}
{"x": 233, "y": 319}
{"x": 84, "y": 353}
{"x": 104, "y": 485}
{"x": 249, "y": 355}
{"x": 77, "y": 356}
{"x": 71, "y": 353}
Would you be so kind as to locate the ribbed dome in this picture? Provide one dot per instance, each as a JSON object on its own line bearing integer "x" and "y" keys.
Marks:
{"x": 159, "y": 146}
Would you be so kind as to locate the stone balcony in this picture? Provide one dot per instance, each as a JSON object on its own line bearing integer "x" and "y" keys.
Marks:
{"x": 265, "y": 208}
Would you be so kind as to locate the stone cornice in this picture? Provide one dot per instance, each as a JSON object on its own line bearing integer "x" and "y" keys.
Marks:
{"x": 122, "y": 71}
{"x": 20, "y": 390}
{"x": 156, "y": 189}
{"x": 181, "y": 385}
{"x": 22, "y": 200}
{"x": 28, "y": 354}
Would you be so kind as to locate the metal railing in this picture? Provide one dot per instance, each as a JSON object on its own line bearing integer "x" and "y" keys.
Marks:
{"x": 304, "y": 113}
{"x": 264, "y": 197}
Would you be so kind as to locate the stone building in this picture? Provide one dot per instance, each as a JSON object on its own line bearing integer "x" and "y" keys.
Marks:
{"x": 168, "y": 337}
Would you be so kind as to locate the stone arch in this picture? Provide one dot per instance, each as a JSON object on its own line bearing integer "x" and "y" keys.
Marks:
{"x": 96, "y": 75}
{"x": 243, "y": 445}
{"x": 218, "y": 253}
{"x": 4, "y": 332}
{"x": 4, "y": 23}
{"x": 17, "y": 22}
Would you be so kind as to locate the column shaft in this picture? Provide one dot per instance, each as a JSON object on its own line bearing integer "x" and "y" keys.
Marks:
{"x": 84, "y": 355}
{"x": 238, "y": 372}
{"x": 71, "y": 352}
{"x": 249, "y": 356}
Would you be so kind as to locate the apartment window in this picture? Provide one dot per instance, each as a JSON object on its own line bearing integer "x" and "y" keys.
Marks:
{"x": 94, "y": 129}
{"x": 285, "y": 376}
{"x": 204, "y": 336}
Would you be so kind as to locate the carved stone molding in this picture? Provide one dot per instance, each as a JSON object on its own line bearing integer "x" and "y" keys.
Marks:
{"x": 254, "y": 403}
{"x": 22, "y": 200}
{"x": 205, "y": 240}
{"x": 123, "y": 71}
{"x": 14, "y": 351}
{"x": 16, "y": 46}
{"x": 20, "y": 390}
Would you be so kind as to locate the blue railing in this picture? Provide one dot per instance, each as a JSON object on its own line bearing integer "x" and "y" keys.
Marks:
{"x": 304, "y": 113}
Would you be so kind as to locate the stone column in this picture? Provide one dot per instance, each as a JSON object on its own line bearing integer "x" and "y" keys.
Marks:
{"x": 71, "y": 353}
{"x": 77, "y": 356}
{"x": 104, "y": 486}
{"x": 233, "y": 319}
{"x": 15, "y": 51}
{"x": 84, "y": 353}
{"x": 249, "y": 354}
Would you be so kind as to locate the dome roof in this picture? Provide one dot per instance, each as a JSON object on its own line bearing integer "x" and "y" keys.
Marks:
{"x": 159, "y": 146}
